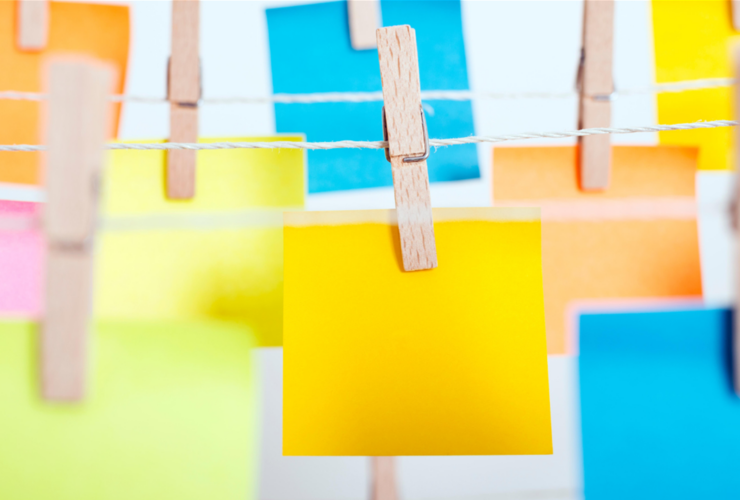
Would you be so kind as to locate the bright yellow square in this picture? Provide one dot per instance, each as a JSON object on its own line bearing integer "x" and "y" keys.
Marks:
{"x": 693, "y": 40}
{"x": 450, "y": 361}
{"x": 169, "y": 415}
{"x": 218, "y": 256}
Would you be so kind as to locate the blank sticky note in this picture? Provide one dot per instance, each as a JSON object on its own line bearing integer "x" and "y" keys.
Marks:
{"x": 217, "y": 256}
{"x": 659, "y": 413}
{"x": 693, "y": 41}
{"x": 310, "y": 52}
{"x": 637, "y": 239}
{"x": 170, "y": 414}
{"x": 449, "y": 361}
{"x": 92, "y": 30}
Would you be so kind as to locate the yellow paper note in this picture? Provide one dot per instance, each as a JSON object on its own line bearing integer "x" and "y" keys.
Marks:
{"x": 693, "y": 41}
{"x": 217, "y": 256}
{"x": 449, "y": 361}
{"x": 169, "y": 416}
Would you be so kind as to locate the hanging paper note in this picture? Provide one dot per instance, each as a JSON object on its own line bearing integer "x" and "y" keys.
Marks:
{"x": 311, "y": 52}
{"x": 450, "y": 361}
{"x": 692, "y": 42}
{"x": 170, "y": 415}
{"x": 83, "y": 29}
{"x": 659, "y": 412}
{"x": 636, "y": 239}
{"x": 217, "y": 256}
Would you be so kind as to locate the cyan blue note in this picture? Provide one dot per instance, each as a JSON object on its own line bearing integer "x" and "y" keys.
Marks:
{"x": 310, "y": 52}
{"x": 660, "y": 417}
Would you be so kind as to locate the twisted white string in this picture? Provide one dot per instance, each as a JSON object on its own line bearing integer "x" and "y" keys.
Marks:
{"x": 475, "y": 139}
{"x": 429, "y": 95}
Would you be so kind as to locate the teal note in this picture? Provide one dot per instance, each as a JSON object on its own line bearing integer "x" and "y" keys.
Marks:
{"x": 310, "y": 52}
{"x": 660, "y": 416}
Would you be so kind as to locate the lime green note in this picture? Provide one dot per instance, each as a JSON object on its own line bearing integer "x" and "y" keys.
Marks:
{"x": 218, "y": 256}
{"x": 169, "y": 416}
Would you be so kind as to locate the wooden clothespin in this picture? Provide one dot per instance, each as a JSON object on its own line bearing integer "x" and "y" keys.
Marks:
{"x": 364, "y": 19}
{"x": 184, "y": 91}
{"x": 596, "y": 93}
{"x": 404, "y": 127}
{"x": 736, "y": 14}
{"x": 384, "y": 479}
{"x": 76, "y": 131}
{"x": 32, "y": 29}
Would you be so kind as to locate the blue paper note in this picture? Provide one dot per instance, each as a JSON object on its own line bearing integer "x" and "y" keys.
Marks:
{"x": 660, "y": 417}
{"x": 310, "y": 52}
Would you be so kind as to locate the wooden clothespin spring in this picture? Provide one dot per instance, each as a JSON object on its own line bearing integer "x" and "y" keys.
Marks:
{"x": 409, "y": 159}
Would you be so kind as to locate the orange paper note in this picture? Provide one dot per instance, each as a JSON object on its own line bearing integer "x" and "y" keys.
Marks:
{"x": 91, "y": 30}
{"x": 638, "y": 239}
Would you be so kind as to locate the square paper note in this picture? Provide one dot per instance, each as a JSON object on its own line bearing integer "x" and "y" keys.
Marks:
{"x": 450, "y": 361}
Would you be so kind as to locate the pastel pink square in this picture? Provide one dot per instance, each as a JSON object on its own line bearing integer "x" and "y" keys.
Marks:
{"x": 21, "y": 261}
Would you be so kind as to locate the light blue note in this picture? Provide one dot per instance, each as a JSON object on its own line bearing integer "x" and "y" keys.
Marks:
{"x": 310, "y": 52}
{"x": 660, "y": 417}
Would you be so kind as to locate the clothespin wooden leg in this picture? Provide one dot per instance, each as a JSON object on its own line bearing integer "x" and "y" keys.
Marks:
{"x": 181, "y": 163}
{"x": 405, "y": 131}
{"x": 184, "y": 92}
{"x": 384, "y": 479}
{"x": 77, "y": 123}
{"x": 597, "y": 90}
{"x": 32, "y": 28}
{"x": 364, "y": 19}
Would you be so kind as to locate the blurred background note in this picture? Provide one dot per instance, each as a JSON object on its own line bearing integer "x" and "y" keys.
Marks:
{"x": 98, "y": 31}
{"x": 170, "y": 415}
{"x": 379, "y": 361}
{"x": 637, "y": 239}
{"x": 659, "y": 412}
{"x": 218, "y": 256}
{"x": 692, "y": 42}
{"x": 310, "y": 52}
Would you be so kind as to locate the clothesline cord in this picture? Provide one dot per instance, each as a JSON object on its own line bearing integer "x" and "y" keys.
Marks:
{"x": 476, "y": 139}
{"x": 429, "y": 95}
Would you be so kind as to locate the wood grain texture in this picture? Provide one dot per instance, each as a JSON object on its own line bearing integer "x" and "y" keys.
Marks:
{"x": 399, "y": 75}
{"x": 384, "y": 479}
{"x": 364, "y": 20}
{"x": 414, "y": 212}
{"x": 32, "y": 24}
{"x": 77, "y": 120}
{"x": 596, "y": 80}
{"x": 181, "y": 164}
{"x": 399, "y": 71}
{"x": 184, "y": 92}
